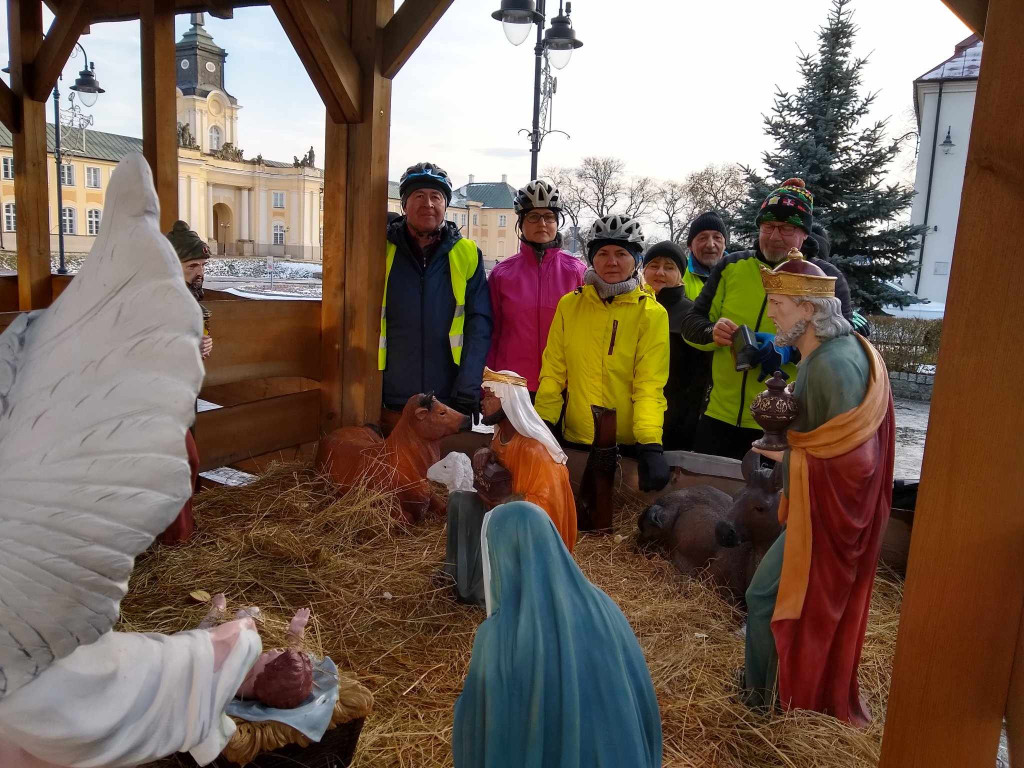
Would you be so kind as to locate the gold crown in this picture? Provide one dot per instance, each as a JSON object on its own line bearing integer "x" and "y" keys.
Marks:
{"x": 798, "y": 277}
{"x": 516, "y": 381}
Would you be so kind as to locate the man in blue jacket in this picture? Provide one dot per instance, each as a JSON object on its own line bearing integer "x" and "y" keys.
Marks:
{"x": 436, "y": 311}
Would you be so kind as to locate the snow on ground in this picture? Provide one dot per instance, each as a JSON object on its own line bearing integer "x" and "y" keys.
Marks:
{"x": 257, "y": 269}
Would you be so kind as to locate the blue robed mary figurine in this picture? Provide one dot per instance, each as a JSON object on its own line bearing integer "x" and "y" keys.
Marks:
{"x": 557, "y": 678}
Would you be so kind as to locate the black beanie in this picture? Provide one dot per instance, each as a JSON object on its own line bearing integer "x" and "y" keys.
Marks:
{"x": 709, "y": 220}
{"x": 824, "y": 242}
{"x": 669, "y": 250}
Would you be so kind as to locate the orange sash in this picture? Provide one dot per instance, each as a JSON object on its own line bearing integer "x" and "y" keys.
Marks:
{"x": 835, "y": 437}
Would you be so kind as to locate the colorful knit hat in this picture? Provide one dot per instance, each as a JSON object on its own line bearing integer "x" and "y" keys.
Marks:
{"x": 792, "y": 203}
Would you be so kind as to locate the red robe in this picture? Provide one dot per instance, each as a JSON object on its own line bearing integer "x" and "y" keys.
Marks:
{"x": 184, "y": 524}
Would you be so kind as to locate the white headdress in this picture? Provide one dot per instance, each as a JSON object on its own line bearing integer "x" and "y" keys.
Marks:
{"x": 511, "y": 389}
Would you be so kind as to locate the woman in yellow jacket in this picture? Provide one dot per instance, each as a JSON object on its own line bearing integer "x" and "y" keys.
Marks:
{"x": 608, "y": 346}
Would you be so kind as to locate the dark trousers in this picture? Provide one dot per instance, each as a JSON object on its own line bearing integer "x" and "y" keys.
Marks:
{"x": 716, "y": 438}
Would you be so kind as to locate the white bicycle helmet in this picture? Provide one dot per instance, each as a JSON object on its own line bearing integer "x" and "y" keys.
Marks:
{"x": 616, "y": 229}
{"x": 537, "y": 194}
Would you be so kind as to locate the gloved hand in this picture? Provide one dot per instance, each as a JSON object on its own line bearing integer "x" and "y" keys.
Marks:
{"x": 772, "y": 358}
{"x": 468, "y": 405}
{"x": 651, "y": 466}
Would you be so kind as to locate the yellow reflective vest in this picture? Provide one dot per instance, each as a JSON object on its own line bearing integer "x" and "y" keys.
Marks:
{"x": 614, "y": 354}
{"x": 463, "y": 260}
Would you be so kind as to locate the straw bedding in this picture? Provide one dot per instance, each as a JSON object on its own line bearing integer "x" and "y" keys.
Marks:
{"x": 384, "y": 614}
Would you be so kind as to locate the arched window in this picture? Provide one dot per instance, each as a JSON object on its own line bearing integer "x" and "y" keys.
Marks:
{"x": 278, "y": 234}
{"x": 93, "y": 220}
{"x": 214, "y": 138}
{"x": 69, "y": 221}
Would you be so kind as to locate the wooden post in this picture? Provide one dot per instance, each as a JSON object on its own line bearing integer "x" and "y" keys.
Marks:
{"x": 965, "y": 589}
{"x": 159, "y": 104}
{"x": 1015, "y": 706}
{"x": 31, "y": 189}
{"x": 366, "y": 205}
{"x": 332, "y": 306}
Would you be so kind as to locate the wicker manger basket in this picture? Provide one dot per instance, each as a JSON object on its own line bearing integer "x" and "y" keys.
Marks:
{"x": 275, "y": 745}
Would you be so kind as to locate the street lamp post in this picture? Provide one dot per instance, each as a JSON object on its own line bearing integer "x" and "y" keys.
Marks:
{"x": 557, "y": 44}
{"x": 88, "y": 89}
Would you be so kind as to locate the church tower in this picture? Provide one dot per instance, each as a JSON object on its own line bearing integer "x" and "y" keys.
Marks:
{"x": 203, "y": 102}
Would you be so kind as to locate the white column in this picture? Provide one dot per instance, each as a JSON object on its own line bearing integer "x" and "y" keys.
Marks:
{"x": 265, "y": 215}
{"x": 314, "y": 229}
{"x": 182, "y": 196}
{"x": 209, "y": 211}
{"x": 193, "y": 200}
{"x": 243, "y": 216}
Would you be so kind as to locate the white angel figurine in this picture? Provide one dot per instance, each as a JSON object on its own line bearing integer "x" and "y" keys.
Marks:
{"x": 96, "y": 393}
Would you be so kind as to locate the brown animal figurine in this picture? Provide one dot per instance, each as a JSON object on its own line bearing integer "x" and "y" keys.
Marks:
{"x": 703, "y": 532}
{"x": 353, "y": 454}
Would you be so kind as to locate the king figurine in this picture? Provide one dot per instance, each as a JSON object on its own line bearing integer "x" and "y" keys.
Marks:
{"x": 808, "y": 601}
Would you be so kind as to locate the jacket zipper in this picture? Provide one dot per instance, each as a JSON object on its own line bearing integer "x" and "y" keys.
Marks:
{"x": 423, "y": 323}
{"x": 743, "y": 386}
{"x": 615, "y": 328}
{"x": 540, "y": 282}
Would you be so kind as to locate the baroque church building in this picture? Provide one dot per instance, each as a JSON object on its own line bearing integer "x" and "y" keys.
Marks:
{"x": 247, "y": 207}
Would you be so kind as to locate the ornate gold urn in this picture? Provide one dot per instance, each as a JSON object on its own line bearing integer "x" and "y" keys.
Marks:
{"x": 774, "y": 410}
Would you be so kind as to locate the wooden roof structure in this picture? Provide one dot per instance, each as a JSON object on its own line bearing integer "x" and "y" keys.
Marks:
{"x": 287, "y": 372}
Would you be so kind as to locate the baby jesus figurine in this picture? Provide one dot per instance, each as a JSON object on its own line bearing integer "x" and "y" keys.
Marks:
{"x": 281, "y": 678}
{"x": 524, "y": 446}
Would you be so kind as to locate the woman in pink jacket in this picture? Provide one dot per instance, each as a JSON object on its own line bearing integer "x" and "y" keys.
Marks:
{"x": 525, "y": 288}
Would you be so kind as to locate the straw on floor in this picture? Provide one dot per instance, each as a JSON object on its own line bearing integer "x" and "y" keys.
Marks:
{"x": 384, "y": 614}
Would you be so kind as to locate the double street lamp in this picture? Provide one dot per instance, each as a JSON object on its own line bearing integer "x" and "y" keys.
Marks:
{"x": 556, "y": 45}
{"x": 88, "y": 90}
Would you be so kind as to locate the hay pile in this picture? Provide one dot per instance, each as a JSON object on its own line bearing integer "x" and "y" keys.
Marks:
{"x": 381, "y": 611}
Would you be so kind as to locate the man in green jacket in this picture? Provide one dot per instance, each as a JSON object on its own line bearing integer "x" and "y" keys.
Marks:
{"x": 733, "y": 296}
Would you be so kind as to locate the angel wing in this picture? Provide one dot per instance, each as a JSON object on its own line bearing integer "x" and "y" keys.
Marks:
{"x": 96, "y": 393}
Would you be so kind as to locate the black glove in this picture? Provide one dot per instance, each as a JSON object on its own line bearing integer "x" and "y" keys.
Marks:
{"x": 469, "y": 406}
{"x": 651, "y": 466}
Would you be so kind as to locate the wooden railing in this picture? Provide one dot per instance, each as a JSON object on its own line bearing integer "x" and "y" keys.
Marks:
{"x": 264, "y": 373}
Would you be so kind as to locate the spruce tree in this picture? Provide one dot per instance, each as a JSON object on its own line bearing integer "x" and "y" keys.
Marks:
{"x": 819, "y": 136}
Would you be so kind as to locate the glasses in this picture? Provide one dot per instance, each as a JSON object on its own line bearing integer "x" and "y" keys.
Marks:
{"x": 786, "y": 230}
{"x": 537, "y": 218}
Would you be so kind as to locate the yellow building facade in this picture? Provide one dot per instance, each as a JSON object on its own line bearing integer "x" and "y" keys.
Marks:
{"x": 253, "y": 207}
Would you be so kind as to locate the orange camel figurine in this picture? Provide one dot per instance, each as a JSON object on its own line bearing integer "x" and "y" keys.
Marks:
{"x": 352, "y": 454}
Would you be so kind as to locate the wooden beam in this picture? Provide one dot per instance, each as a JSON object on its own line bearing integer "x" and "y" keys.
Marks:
{"x": 228, "y": 435}
{"x": 964, "y": 594}
{"x": 127, "y": 10}
{"x": 159, "y": 104}
{"x": 316, "y": 32}
{"x": 970, "y": 12}
{"x": 263, "y": 340}
{"x": 367, "y": 204}
{"x": 333, "y": 284}
{"x": 67, "y": 27}
{"x": 407, "y": 29}
{"x": 8, "y": 108}
{"x": 25, "y": 33}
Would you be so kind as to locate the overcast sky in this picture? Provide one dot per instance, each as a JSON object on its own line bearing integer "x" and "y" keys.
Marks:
{"x": 668, "y": 86}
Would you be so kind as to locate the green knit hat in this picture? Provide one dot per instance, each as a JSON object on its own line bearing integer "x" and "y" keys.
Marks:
{"x": 792, "y": 203}
{"x": 187, "y": 244}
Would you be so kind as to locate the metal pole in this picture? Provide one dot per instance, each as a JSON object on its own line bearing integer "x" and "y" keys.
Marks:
{"x": 539, "y": 54}
{"x": 61, "y": 270}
